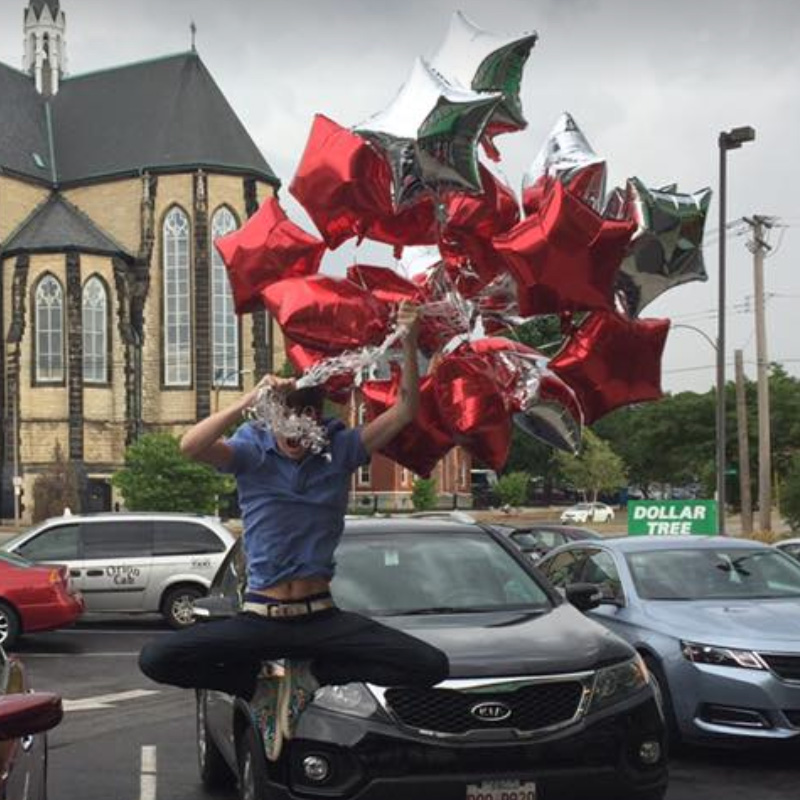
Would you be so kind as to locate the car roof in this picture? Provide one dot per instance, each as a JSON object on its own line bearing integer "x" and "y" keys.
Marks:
{"x": 638, "y": 544}
{"x": 782, "y": 542}
{"x": 400, "y": 525}
{"x": 118, "y": 515}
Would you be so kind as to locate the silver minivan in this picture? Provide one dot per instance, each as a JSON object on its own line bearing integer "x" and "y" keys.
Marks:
{"x": 132, "y": 562}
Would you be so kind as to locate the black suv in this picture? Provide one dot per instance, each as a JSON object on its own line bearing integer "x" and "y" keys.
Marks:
{"x": 541, "y": 702}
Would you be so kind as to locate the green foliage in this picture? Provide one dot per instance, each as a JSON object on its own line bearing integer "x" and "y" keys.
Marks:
{"x": 56, "y": 489}
{"x": 157, "y": 477}
{"x": 423, "y": 494}
{"x": 596, "y": 468}
{"x": 790, "y": 494}
{"x": 512, "y": 488}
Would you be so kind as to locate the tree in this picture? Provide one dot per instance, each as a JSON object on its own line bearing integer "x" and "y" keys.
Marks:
{"x": 790, "y": 494}
{"x": 423, "y": 494}
{"x": 56, "y": 489}
{"x": 512, "y": 488}
{"x": 158, "y": 477}
{"x": 596, "y": 468}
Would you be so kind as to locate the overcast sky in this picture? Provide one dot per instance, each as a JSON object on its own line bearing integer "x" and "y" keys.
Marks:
{"x": 651, "y": 84}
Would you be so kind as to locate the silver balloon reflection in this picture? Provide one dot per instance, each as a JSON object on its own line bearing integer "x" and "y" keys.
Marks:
{"x": 486, "y": 62}
{"x": 666, "y": 250}
{"x": 568, "y": 157}
{"x": 429, "y": 135}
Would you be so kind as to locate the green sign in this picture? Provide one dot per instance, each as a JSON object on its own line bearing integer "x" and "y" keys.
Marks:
{"x": 672, "y": 517}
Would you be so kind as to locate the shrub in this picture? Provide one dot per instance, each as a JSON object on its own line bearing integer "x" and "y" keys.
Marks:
{"x": 423, "y": 494}
{"x": 512, "y": 489}
{"x": 56, "y": 489}
{"x": 790, "y": 494}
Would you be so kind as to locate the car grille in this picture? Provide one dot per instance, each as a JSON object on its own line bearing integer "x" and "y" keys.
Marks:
{"x": 784, "y": 666}
{"x": 533, "y": 707}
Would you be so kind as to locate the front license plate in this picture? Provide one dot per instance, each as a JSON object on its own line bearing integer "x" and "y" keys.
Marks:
{"x": 501, "y": 790}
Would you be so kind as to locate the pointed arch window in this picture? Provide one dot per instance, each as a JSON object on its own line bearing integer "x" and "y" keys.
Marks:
{"x": 177, "y": 300}
{"x": 224, "y": 327}
{"x": 49, "y": 299}
{"x": 95, "y": 331}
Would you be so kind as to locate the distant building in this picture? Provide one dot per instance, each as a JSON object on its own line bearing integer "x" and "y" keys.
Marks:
{"x": 115, "y": 310}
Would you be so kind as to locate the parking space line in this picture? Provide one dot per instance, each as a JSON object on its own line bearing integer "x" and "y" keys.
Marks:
{"x": 106, "y": 700}
{"x": 147, "y": 776}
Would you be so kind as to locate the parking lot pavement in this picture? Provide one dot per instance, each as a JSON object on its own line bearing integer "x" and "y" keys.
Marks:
{"x": 126, "y": 738}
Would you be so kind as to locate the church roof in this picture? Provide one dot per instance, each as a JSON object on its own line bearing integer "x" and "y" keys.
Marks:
{"x": 161, "y": 115}
{"x": 57, "y": 226}
{"x": 38, "y": 7}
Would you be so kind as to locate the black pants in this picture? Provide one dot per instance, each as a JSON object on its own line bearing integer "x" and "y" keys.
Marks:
{"x": 343, "y": 647}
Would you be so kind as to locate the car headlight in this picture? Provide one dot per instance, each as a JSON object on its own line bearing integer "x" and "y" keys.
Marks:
{"x": 353, "y": 699}
{"x": 721, "y": 656}
{"x": 613, "y": 684}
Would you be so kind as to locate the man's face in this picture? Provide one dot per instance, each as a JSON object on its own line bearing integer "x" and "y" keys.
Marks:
{"x": 293, "y": 448}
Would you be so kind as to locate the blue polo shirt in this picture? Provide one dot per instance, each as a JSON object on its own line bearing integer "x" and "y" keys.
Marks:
{"x": 292, "y": 511}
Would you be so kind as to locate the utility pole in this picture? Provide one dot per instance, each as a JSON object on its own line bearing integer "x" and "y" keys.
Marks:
{"x": 758, "y": 247}
{"x": 744, "y": 445}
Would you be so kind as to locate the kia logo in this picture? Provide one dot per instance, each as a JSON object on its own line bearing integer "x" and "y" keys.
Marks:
{"x": 491, "y": 712}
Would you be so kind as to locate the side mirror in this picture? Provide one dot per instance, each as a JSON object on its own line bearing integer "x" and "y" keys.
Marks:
{"x": 207, "y": 609}
{"x": 26, "y": 714}
{"x": 584, "y": 596}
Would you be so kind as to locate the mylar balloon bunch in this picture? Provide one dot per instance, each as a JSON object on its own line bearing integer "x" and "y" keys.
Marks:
{"x": 412, "y": 175}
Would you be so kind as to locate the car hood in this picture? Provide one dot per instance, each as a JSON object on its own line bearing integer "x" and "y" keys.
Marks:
{"x": 753, "y": 624}
{"x": 511, "y": 643}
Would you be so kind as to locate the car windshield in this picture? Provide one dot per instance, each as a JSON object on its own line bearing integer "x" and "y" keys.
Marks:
{"x": 425, "y": 573}
{"x": 721, "y": 573}
{"x": 581, "y": 507}
{"x": 17, "y": 561}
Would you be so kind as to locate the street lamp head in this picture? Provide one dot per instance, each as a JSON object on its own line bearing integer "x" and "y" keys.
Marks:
{"x": 736, "y": 137}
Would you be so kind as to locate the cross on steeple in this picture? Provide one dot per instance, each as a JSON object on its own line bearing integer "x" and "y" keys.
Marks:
{"x": 193, "y": 29}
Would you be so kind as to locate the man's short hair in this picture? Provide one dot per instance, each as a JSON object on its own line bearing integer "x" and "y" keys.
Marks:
{"x": 309, "y": 397}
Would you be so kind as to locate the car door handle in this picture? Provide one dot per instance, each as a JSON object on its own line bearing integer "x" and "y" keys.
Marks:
{"x": 74, "y": 573}
{"x": 94, "y": 573}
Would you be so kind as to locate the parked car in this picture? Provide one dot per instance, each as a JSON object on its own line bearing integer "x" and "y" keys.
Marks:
{"x": 34, "y": 598}
{"x": 541, "y": 702}
{"x": 716, "y": 621}
{"x": 790, "y": 547}
{"x": 25, "y": 716}
{"x": 588, "y": 512}
{"x": 132, "y": 562}
{"x": 539, "y": 538}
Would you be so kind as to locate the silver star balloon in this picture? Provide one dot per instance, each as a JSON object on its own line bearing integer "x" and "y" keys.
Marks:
{"x": 666, "y": 250}
{"x": 429, "y": 135}
{"x": 487, "y": 62}
{"x": 568, "y": 157}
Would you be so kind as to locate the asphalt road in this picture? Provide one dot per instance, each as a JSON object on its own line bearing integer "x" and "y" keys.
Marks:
{"x": 126, "y": 738}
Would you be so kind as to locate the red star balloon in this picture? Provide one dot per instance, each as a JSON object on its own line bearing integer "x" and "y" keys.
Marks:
{"x": 611, "y": 361}
{"x": 473, "y": 406}
{"x": 303, "y": 358}
{"x": 268, "y": 248}
{"x": 566, "y": 257}
{"x": 327, "y": 314}
{"x": 423, "y": 442}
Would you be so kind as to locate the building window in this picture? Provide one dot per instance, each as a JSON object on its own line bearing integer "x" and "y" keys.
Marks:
{"x": 177, "y": 301}
{"x": 365, "y": 475}
{"x": 95, "y": 331}
{"x": 49, "y": 331}
{"x": 225, "y": 330}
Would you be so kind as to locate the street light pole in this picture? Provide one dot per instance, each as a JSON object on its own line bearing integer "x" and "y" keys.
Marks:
{"x": 728, "y": 140}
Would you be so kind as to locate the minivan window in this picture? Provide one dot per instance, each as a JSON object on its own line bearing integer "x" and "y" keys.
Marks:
{"x": 117, "y": 539}
{"x": 184, "y": 538}
{"x": 53, "y": 544}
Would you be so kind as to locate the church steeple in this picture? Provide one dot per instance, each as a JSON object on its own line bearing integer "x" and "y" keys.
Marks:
{"x": 45, "y": 56}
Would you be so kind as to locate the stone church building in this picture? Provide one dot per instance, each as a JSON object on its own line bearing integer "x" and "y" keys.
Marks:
{"x": 115, "y": 309}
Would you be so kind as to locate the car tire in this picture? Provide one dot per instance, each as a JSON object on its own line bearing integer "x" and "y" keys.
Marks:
{"x": 252, "y": 767}
{"x": 177, "y": 605}
{"x": 214, "y": 770}
{"x": 661, "y": 688}
{"x": 10, "y": 628}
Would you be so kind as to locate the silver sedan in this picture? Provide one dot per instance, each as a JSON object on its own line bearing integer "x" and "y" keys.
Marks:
{"x": 717, "y": 621}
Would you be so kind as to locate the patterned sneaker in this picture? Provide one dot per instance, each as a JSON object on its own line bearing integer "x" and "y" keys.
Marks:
{"x": 264, "y": 706}
{"x": 295, "y": 693}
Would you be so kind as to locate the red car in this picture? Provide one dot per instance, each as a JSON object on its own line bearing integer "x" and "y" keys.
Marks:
{"x": 34, "y": 597}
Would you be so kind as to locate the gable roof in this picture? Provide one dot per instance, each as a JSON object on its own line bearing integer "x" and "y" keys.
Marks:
{"x": 161, "y": 115}
{"x": 24, "y": 140}
{"x": 57, "y": 226}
